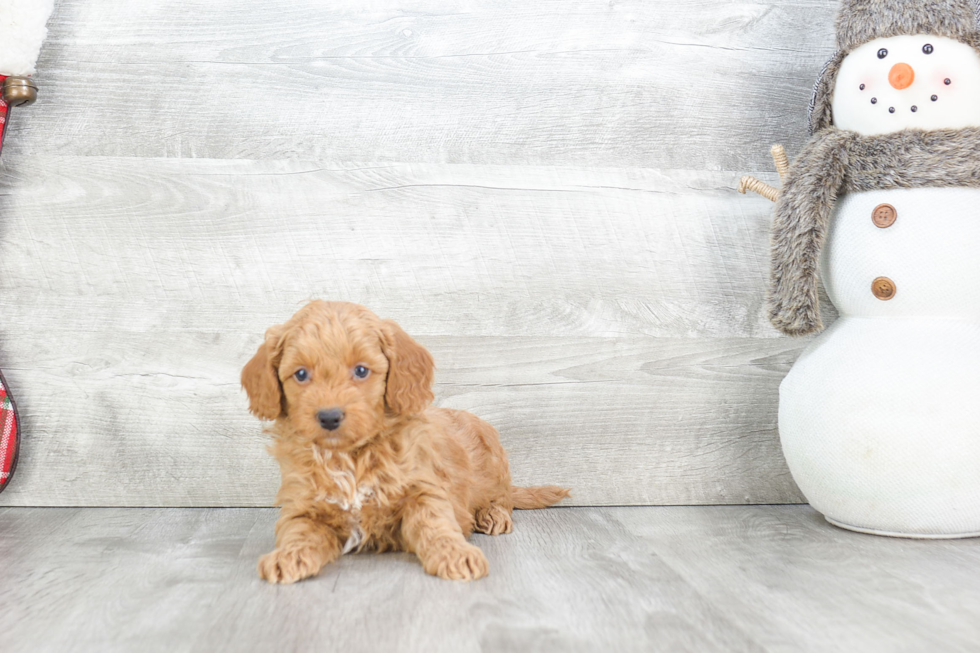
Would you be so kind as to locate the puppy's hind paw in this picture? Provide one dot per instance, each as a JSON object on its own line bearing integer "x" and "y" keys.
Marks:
{"x": 291, "y": 565}
{"x": 494, "y": 520}
{"x": 457, "y": 561}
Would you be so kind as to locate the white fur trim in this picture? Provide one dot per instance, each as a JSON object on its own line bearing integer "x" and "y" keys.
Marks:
{"x": 22, "y": 29}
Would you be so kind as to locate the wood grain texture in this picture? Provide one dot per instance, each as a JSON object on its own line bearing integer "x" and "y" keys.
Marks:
{"x": 542, "y": 193}
{"x": 733, "y": 579}
{"x": 705, "y": 84}
{"x": 613, "y": 316}
{"x": 143, "y": 424}
{"x": 448, "y": 250}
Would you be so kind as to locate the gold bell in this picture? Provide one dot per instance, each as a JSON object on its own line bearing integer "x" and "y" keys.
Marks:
{"x": 19, "y": 91}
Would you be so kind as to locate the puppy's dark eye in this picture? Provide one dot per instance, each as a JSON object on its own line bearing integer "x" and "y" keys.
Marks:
{"x": 927, "y": 48}
{"x": 361, "y": 372}
{"x": 882, "y": 53}
{"x": 302, "y": 375}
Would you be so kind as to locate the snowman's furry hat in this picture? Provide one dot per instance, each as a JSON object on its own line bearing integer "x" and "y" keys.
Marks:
{"x": 860, "y": 21}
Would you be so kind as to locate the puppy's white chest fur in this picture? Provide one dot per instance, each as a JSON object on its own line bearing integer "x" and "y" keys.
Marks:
{"x": 347, "y": 494}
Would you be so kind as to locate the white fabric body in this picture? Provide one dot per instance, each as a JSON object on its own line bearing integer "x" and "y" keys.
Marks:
{"x": 957, "y": 104}
{"x": 880, "y": 417}
{"x": 22, "y": 30}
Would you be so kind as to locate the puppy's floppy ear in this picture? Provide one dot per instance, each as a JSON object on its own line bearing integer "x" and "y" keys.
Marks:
{"x": 410, "y": 371}
{"x": 260, "y": 377}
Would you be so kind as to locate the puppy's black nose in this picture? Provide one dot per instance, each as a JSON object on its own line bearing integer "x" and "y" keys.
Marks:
{"x": 331, "y": 418}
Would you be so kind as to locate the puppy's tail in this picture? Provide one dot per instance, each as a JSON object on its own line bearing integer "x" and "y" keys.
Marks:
{"x": 529, "y": 498}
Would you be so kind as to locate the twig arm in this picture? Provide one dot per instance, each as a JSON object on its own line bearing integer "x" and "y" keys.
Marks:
{"x": 747, "y": 183}
{"x": 779, "y": 158}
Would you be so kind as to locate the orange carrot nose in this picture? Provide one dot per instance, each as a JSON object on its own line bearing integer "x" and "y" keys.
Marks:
{"x": 901, "y": 76}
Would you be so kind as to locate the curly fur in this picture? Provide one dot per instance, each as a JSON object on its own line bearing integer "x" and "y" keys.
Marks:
{"x": 396, "y": 474}
{"x": 835, "y": 161}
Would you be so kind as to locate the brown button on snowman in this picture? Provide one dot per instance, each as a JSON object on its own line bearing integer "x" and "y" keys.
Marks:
{"x": 884, "y": 216}
{"x": 879, "y": 418}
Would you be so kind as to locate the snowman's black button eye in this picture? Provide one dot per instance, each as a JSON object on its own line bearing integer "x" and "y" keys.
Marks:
{"x": 914, "y": 108}
{"x": 927, "y": 48}
{"x": 862, "y": 87}
{"x": 947, "y": 82}
{"x": 934, "y": 98}
{"x": 882, "y": 53}
{"x": 891, "y": 109}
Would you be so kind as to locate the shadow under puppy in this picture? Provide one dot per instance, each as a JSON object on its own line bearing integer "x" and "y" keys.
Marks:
{"x": 366, "y": 464}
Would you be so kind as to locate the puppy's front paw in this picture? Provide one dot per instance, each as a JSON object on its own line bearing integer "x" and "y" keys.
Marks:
{"x": 290, "y": 565}
{"x": 454, "y": 560}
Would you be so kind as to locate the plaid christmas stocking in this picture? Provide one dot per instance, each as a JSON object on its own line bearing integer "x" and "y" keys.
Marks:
{"x": 8, "y": 434}
{"x": 8, "y": 414}
{"x": 3, "y": 115}
{"x": 22, "y": 30}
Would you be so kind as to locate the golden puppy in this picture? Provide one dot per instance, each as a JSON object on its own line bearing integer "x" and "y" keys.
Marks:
{"x": 366, "y": 464}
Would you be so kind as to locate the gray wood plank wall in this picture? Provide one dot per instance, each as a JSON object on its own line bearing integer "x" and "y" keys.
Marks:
{"x": 542, "y": 193}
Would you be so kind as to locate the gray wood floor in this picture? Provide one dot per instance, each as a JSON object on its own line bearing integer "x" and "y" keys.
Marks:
{"x": 757, "y": 578}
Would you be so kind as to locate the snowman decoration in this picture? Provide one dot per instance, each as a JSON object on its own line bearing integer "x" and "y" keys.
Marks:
{"x": 879, "y": 418}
